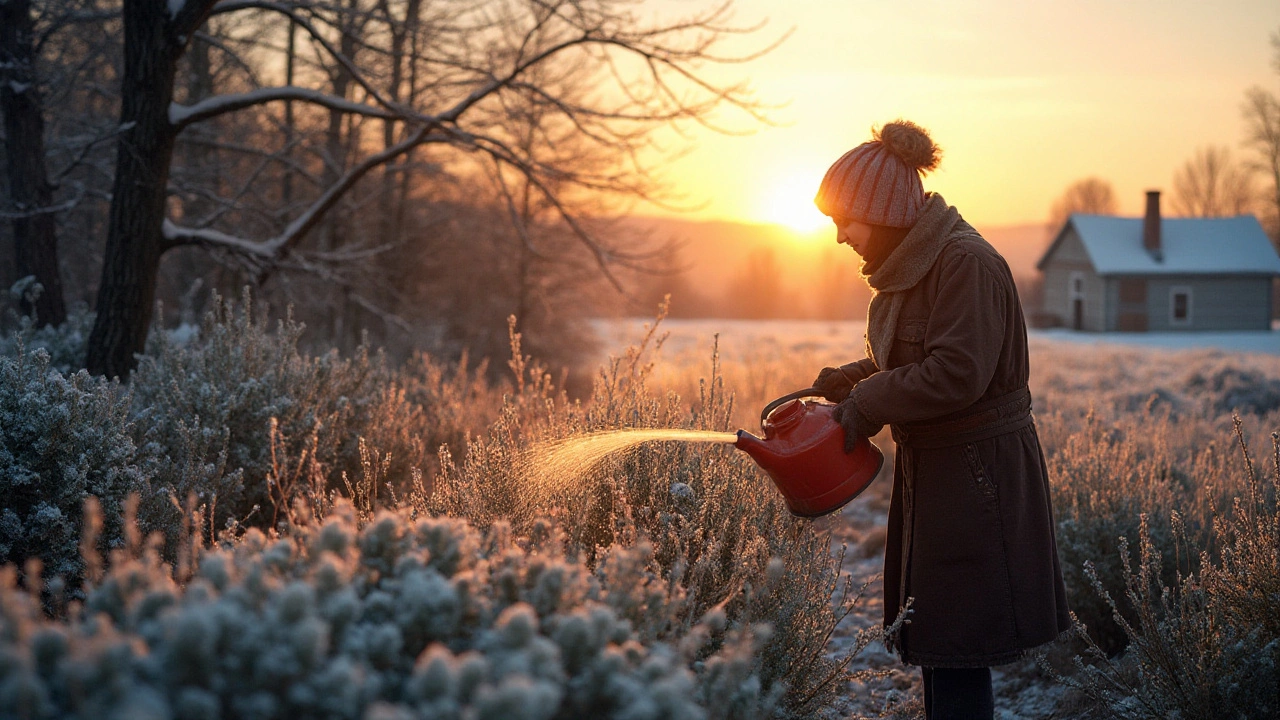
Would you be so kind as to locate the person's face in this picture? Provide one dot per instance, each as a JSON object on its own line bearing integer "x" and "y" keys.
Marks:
{"x": 852, "y": 233}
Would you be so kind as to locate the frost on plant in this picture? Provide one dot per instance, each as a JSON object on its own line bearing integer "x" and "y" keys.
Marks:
{"x": 62, "y": 438}
{"x": 336, "y": 621}
{"x": 243, "y": 414}
{"x": 1205, "y": 645}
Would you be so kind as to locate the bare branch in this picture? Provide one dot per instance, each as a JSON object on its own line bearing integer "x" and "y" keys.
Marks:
{"x": 517, "y": 222}
{"x": 269, "y": 251}
{"x": 180, "y": 116}
{"x": 24, "y": 213}
{"x": 86, "y": 148}
{"x": 1210, "y": 184}
{"x": 501, "y": 153}
{"x": 213, "y": 239}
{"x": 233, "y": 5}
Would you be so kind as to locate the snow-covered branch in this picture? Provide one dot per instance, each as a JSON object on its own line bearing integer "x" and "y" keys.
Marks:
{"x": 186, "y": 16}
{"x": 180, "y": 116}
{"x": 205, "y": 237}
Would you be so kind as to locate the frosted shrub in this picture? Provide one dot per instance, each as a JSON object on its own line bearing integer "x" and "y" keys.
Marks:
{"x": 62, "y": 438}
{"x": 403, "y": 618}
{"x": 246, "y": 421}
{"x": 1128, "y": 432}
{"x": 65, "y": 344}
{"x": 1104, "y": 478}
{"x": 1202, "y": 386}
{"x": 1208, "y": 644}
{"x": 1245, "y": 581}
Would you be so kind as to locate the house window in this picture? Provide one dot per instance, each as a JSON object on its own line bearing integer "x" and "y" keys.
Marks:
{"x": 1180, "y": 305}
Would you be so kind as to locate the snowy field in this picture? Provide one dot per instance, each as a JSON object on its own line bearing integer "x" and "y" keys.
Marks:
{"x": 842, "y": 340}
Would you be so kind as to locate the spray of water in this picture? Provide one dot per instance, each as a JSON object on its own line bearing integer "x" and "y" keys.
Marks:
{"x": 553, "y": 465}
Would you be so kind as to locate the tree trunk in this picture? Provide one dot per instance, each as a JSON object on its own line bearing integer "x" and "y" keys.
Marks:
{"x": 338, "y": 142}
{"x": 153, "y": 42}
{"x": 35, "y": 239}
{"x": 286, "y": 182}
{"x": 200, "y": 160}
{"x": 400, "y": 32}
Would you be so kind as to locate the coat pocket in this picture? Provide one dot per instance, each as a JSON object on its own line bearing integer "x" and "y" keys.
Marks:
{"x": 908, "y": 347}
{"x": 978, "y": 474}
{"x": 912, "y": 330}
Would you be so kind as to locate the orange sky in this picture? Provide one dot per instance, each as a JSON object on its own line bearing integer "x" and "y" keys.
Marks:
{"x": 1024, "y": 97}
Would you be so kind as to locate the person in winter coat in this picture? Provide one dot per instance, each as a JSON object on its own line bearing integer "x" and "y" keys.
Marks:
{"x": 971, "y": 534}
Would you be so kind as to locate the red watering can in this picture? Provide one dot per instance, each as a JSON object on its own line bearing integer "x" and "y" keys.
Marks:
{"x": 803, "y": 452}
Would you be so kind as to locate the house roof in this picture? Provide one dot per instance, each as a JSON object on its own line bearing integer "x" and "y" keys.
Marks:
{"x": 1190, "y": 246}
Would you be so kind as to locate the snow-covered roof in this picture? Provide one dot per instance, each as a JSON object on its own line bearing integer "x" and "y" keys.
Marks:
{"x": 1190, "y": 246}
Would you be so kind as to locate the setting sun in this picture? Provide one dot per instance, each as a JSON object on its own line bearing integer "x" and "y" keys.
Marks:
{"x": 791, "y": 203}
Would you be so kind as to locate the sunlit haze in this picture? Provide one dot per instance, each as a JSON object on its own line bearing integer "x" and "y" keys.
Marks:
{"x": 1024, "y": 98}
{"x": 789, "y": 201}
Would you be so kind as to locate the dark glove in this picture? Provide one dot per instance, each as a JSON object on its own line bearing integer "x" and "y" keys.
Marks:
{"x": 834, "y": 384}
{"x": 855, "y": 424}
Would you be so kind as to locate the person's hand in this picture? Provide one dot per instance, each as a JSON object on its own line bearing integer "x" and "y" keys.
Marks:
{"x": 855, "y": 424}
{"x": 834, "y": 384}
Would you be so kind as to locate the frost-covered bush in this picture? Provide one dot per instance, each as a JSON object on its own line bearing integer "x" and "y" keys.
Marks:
{"x": 246, "y": 421}
{"x": 1128, "y": 432}
{"x": 1104, "y": 478}
{"x": 1236, "y": 389}
{"x": 718, "y": 534}
{"x": 62, "y": 438}
{"x": 457, "y": 399}
{"x": 65, "y": 344}
{"x": 1115, "y": 382}
{"x": 403, "y": 618}
{"x": 1208, "y": 644}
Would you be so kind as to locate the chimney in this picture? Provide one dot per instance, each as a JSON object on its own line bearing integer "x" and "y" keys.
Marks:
{"x": 1151, "y": 226}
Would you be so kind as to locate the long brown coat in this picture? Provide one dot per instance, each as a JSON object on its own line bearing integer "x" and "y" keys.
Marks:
{"x": 971, "y": 535}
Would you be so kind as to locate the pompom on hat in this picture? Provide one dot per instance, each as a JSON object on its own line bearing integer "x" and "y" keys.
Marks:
{"x": 878, "y": 182}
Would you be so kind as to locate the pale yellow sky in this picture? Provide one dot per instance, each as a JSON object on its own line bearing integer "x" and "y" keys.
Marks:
{"x": 1024, "y": 97}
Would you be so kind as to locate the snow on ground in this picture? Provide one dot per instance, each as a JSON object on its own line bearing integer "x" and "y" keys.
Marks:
{"x": 741, "y": 338}
{"x": 843, "y": 338}
{"x": 1247, "y": 342}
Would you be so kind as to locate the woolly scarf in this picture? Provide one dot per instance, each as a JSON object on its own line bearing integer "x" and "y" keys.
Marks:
{"x": 939, "y": 224}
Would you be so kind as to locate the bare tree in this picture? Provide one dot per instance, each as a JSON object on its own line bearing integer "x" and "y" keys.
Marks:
{"x": 1262, "y": 121}
{"x": 468, "y": 74}
{"x": 1090, "y": 196}
{"x": 30, "y": 206}
{"x": 1210, "y": 184}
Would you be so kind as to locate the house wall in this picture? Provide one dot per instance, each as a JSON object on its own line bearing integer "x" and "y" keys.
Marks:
{"x": 1217, "y": 302}
{"x": 1070, "y": 257}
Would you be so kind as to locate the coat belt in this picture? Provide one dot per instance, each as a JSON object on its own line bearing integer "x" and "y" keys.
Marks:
{"x": 980, "y": 421}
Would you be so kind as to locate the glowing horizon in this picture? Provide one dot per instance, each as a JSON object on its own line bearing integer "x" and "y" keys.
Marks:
{"x": 1023, "y": 98}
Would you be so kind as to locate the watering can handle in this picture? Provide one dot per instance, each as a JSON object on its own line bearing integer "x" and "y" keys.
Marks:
{"x": 807, "y": 392}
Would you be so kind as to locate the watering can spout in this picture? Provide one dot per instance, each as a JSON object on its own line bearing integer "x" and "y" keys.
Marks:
{"x": 757, "y": 448}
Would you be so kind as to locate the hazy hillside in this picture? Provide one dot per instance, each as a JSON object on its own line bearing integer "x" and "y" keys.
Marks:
{"x": 728, "y": 269}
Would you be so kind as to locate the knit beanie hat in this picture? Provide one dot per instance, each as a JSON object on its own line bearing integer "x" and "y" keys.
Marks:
{"x": 878, "y": 182}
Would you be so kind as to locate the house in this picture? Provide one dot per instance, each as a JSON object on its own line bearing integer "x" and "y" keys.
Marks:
{"x": 1104, "y": 273}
